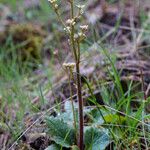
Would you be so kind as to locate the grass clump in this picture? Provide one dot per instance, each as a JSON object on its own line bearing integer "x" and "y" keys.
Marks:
{"x": 24, "y": 44}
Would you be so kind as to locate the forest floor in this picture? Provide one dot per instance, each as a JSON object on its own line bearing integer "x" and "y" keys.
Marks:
{"x": 115, "y": 75}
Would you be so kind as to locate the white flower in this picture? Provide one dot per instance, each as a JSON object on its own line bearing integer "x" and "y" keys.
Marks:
{"x": 69, "y": 65}
{"x": 67, "y": 29}
{"x": 55, "y": 6}
{"x": 84, "y": 27}
{"x": 70, "y": 22}
{"x": 52, "y": 1}
{"x": 80, "y": 6}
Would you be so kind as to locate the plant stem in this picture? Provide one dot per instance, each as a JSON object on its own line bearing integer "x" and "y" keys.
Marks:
{"x": 80, "y": 106}
{"x": 80, "y": 101}
{"x": 72, "y": 105}
{"x": 76, "y": 52}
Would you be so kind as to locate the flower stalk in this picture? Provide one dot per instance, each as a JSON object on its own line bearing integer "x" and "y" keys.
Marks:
{"x": 76, "y": 36}
{"x": 69, "y": 68}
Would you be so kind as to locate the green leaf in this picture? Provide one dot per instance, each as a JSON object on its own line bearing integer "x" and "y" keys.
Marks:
{"x": 96, "y": 139}
{"x": 114, "y": 118}
{"x": 95, "y": 116}
{"x": 53, "y": 147}
{"x": 137, "y": 115}
{"x": 60, "y": 132}
{"x": 108, "y": 117}
{"x": 68, "y": 114}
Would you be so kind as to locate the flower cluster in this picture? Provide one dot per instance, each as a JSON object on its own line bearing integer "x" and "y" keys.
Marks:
{"x": 81, "y": 35}
{"x": 54, "y": 4}
{"x": 69, "y": 65}
{"x": 69, "y": 68}
{"x": 84, "y": 28}
{"x": 72, "y": 22}
{"x": 81, "y": 7}
{"x": 52, "y": 1}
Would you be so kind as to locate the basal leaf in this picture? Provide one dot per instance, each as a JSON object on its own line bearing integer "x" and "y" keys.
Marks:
{"x": 96, "y": 139}
{"x": 60, "y": 132}
{"x": 53, "y": 147}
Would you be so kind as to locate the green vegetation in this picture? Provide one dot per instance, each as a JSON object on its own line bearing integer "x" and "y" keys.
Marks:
{"x": 74, "y": 80}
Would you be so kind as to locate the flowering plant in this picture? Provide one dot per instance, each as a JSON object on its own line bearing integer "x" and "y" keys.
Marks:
{"x": 76, "y": 36}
